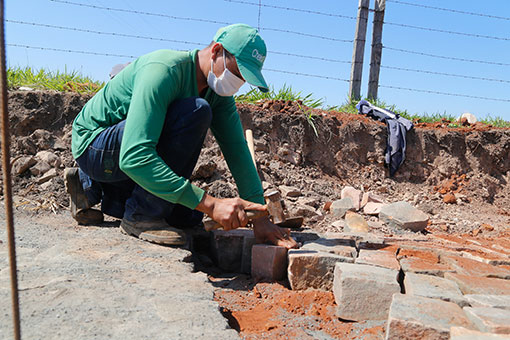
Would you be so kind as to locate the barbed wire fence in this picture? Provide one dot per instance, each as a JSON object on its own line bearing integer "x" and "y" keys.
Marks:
{"x": 358, "y": 51}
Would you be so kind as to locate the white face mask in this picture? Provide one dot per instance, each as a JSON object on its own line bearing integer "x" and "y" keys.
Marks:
{"x": 227, "y": 84}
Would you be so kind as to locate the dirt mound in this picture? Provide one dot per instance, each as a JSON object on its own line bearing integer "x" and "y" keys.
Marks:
{"x": 317, "y": 152}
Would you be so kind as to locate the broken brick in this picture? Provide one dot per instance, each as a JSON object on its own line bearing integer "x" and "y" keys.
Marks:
{"x": 364, "y": 292}
{"x": 269, "y": 262}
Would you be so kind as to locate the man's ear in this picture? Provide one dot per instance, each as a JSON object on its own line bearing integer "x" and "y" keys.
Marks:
{"x": 216, "y": 49}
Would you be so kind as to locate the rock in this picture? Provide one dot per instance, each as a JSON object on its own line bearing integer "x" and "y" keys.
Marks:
{"x": 312, "y": 269}
{"x": 421, "y": 266}
{"x": 205, "y": 170}
{"x": 302, "y": 210}
{"x": 47, "y": 176}
{"x": 339, "y": 224}
{"x": 227, "y": 248}
{"x": 461, "y": 333}
{"x": 372, "y": 208}
{"x": 42, "y": 138}
{"x": 40, "y": 168}
{"x": 288, "y": 155}
{"x": 289, "y": 191}
{"x": 433, "y": 287}
{"x": 46, "y": 185}
{"x": 470, "y": 267}
{"x": 416, "y": 317}
{"x": 364, "y": 292}
{"x": 492, "y": 320}
{"x": 50, "y": 158}
{"x": 471, "y": 118}
{"x": 480, "y": 285}
{"x": 269, "y": 262}
{"x": 22, "y": 164}
{"x": 355, "y": 222}
{"x": 379, "y": 258}
{"x": 370, "y": 197}
{"x": 450, "y": 198}
{"x": 404, "y": 216}
{"x": 340, "y": 207}
{"x": 327, "y": 206}
{"x": 492, "y": 301}
{"x": 60, "y": 145}
{"x": 342, "y": 247}
{"x": 353, "y": 194}
{"x": 266, "y": 185}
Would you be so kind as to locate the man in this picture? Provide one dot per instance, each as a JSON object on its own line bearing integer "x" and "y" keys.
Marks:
{"x": 138, "y": 139}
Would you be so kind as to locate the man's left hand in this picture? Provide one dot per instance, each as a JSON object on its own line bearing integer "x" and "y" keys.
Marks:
{"x": 267, "y": 232}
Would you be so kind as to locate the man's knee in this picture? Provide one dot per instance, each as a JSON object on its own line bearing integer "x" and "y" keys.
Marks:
{"x": 203, "y": 112}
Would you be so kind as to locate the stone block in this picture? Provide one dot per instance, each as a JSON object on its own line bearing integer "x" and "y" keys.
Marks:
{"x": 492, "y": 320}
{"x": 421, "y": 266}
{"x": 340, "y": 207}
{"x": 337, "y": 246}
{"x": 227, "y": 248}
{"x": 480, "y": 285}
{"x": 288, "y": 191}
{"x": 312, "y": 269}
{"x": 47, "y": 176}
{"x": 364, "y": 292}
{"x": 433, "y": 287}
{"x": 372, "y": 208}
{"x": 370, "y": 197}
{"x": 248, "y": 242}
{"x": 22, "y": 164}
{"x": 461, "y": 333}
{"x": 404, "y": 216}
{"x": 40, "y": 168}
{"x": 355, "y": 222}
{"x": 354, "y": 194}
{"x": 471, "y": 267}
{"x": 269, "y": 262}
{"x": 49, "y": 157}
{"x": 415, "y": 317}
{"x": 492, "y": 301}
{"x": 379, "y": 258}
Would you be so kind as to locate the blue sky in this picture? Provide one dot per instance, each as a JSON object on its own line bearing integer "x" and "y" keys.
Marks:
{"x": 333, "y": 27}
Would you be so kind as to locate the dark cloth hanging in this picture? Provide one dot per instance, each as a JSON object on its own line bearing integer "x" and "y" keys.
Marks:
{"x": 397, "y": 127}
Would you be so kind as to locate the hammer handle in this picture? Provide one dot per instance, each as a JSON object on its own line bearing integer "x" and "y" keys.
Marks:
{"x": 251, "y": 214}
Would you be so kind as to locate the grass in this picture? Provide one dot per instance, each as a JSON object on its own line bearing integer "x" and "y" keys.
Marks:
{"x": 76, "y": 82}
{"x": 45, "y": 79}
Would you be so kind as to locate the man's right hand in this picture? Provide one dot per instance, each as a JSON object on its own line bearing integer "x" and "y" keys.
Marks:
{"x": 229, "y": 212}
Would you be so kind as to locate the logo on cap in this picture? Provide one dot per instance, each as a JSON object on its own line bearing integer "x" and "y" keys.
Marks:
{"x": 255, "y": 54}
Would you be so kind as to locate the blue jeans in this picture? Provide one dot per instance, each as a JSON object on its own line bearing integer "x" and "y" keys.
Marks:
{"x": 186, "y": 124}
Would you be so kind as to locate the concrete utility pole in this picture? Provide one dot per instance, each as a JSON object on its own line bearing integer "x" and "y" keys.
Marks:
{"x": 375, "y": 59}
{"x": 358, "y": 50}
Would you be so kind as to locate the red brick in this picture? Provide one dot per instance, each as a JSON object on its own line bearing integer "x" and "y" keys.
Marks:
{"x": 480, "y": 285}
{"x": 268, "y": 262}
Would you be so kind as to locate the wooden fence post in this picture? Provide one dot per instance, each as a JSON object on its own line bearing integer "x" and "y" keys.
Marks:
{"x": 358, "y": 50}
{"x": 375, "y": 58}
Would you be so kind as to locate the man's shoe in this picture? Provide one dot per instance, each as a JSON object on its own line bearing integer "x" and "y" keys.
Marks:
{"x": 80, "y": 207}
{"x": 157, "y": 231}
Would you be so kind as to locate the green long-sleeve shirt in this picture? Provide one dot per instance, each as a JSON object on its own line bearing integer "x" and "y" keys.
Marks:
{"x": 141, "y": 94}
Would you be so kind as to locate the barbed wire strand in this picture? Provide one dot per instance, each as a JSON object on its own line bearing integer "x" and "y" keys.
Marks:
{"x": 446, "y": 57}
{"x": 448, "y": 10}
{"x": 73, "y": 51}
{"x": 194, "y": 19}
{"x": 293, "y": 9}
{"x": 265, "y": 69}
{"x": 260, "y": 7}
{"x": 161, "y": 39}
{"x": 473, "y": 35}
{"x": 102, "y": 33}
{"x": 444, "y": 93}
{"x": 444, "y": 74}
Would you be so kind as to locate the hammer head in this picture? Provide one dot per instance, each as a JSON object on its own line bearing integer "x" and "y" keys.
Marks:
{"x": 274, "y": 206}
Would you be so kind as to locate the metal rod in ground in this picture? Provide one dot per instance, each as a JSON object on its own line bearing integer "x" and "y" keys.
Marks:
{"x": 6, "y": 170}
{"x": 376, "y": 54}
{"x": 358, "y": 50}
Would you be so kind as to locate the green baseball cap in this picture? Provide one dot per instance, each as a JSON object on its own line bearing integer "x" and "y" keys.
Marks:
{"x": 249, "y": 49}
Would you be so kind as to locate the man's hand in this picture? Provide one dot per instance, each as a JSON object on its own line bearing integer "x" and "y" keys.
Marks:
{"x": 229, "y": 212}
{"x": 267, "y": 232}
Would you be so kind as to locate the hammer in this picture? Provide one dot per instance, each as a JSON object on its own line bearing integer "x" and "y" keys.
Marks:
{"x": 274, "y": 209}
